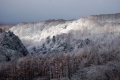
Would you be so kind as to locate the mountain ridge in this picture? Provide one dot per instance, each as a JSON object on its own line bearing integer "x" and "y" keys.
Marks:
{"x": 34, "y": 35}
{"x": 84, "y": 49}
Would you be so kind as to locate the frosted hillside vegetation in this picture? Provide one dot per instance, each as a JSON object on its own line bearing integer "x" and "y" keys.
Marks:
{"x": 60, "y": 35}
{"x": 83, "y": 49}
{"x": 11, "y": 47}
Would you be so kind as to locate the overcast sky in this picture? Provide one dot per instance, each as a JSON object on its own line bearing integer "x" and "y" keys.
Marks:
{"x": 16, "y": 11}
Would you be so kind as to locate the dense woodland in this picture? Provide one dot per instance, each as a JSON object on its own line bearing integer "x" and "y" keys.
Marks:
{"x": 41, "y": 66}
{"x": 83, "y": 49}
{"x": 49, "y": 66}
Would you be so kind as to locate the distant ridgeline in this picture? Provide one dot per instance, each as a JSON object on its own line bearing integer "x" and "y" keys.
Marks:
{"x": 107, "y": 17}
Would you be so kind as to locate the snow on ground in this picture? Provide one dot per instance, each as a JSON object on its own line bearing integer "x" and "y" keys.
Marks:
{"x": 94, "y": 28}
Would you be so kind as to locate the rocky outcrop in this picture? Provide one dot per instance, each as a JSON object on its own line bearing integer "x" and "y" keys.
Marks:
{"x": 10, "y": 46}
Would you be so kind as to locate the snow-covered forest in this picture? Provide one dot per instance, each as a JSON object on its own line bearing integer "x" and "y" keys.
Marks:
{"x": 66, "y": 36}
{"x": 83, "y": 49}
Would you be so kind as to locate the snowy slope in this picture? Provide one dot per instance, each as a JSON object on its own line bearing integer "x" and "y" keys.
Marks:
{"x": 10, "y": 46}
{"x": 68, "y": 36}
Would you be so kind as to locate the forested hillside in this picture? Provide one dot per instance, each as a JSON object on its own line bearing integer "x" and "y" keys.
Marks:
{"x": 83, "y": 49}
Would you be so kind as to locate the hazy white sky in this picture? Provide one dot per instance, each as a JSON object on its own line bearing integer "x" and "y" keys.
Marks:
{"x": 16, "y": 11}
